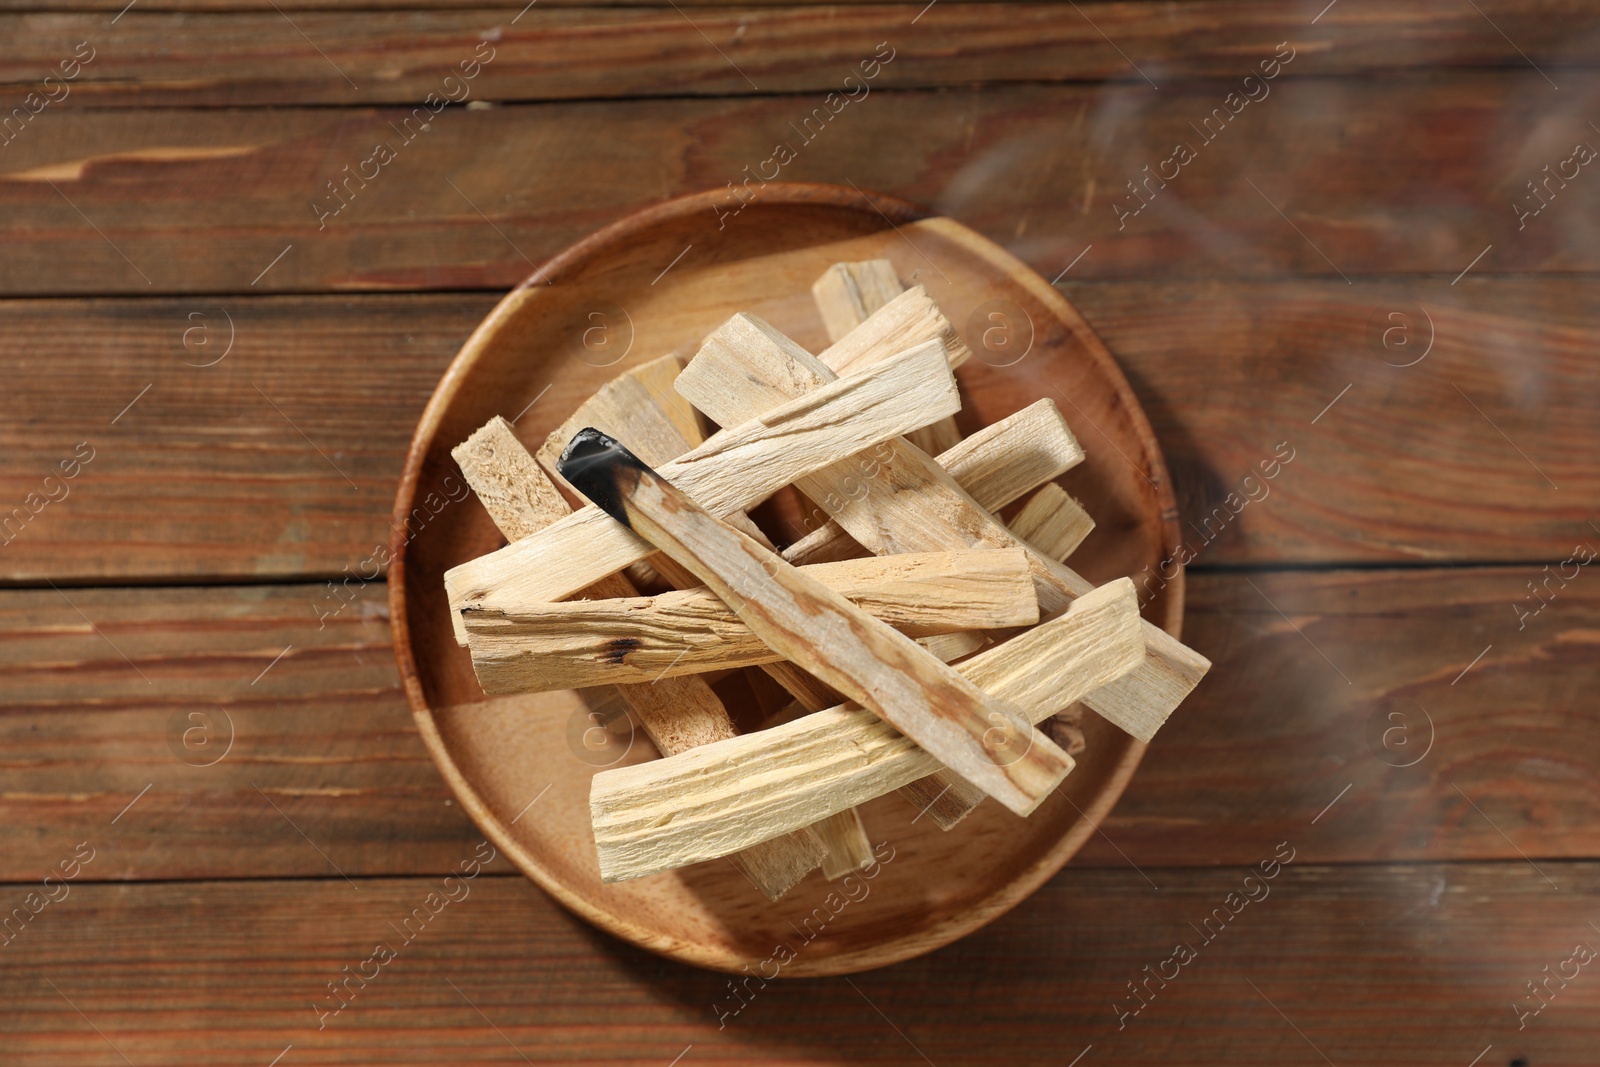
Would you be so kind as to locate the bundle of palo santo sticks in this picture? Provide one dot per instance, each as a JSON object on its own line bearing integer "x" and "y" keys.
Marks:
{"x": 923, "y": 641}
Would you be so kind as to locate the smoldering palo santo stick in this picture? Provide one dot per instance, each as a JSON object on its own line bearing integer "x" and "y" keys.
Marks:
{"x": 987, "y": 741}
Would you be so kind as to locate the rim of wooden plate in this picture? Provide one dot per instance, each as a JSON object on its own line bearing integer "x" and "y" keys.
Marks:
{"x": 892, "y": 211}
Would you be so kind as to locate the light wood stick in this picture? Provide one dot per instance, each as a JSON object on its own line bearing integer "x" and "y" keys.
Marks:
{"x": 946, "y": 647}
{"x": 951, "y": 647}
{"x": 641, "y": 409}
{"x": 1053, "y": 522}
{"x": 908, "y": 503}
{"x": 985, "y": 740}
{"x": 641, "y": 403}
{"x": 1006, "y": 459}
{"x": 708, "y": 802}
{"x": 726, "y": 473}
{"x": 846, "y": 840}
{"x": 996, "y": 465}
{"x": 676, "y": 715}
{"x": 641, "y": 639}
{"x": 904, "y": 322}
{"x": 847, "y": 294}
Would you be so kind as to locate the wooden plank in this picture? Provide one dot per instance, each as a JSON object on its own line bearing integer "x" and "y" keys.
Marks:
{"x": 202, "y": 479}
{"x": 579, "y": 643}
{"x": 237, "y": 469}
{"x": 1422, "y": 730}
{"x": 1263, "y": 746}
{"x": 205, "y": 201}
{"x": 148, "y": 687}
{"x": 739, "y": 468}
{"x": 731, "y": 794}
{"x": 677, "y": 714}
{"x": 157, "y": 56}
{"x": 1450, "y": 457}
{"x": 900, "y": 500}
{"x": 1334, "y": 949}
{"x": 983, "y": 737}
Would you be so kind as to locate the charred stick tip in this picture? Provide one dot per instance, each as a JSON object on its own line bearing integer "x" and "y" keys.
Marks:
{"x": 591, "y": 462}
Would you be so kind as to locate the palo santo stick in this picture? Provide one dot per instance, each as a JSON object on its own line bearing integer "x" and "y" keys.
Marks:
{"x": 981, "y": 738}
{"x": 847, "y": 294}
{"x": 996, "y": 465}
{"x": 845, "y": 838}
{"x": 641, "y": 409}
{"x": 946, "y": 647}
{"x": 895, "y": 498}
{"x": 1053, "y": 522}
{"x": 706, "y": 803}
{"x": 730, "y": 472}
{"x": 639, "y": 403}
{"x": 951, "y": 647}
{"x": 904, "y": 322}
{"x": 678, "y": 714}
{"x": 640, "y": 639}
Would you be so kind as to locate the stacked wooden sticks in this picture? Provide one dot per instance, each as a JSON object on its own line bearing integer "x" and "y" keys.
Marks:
{"x": 922, "y": 641}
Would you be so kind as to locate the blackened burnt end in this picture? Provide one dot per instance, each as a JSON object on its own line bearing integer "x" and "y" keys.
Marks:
{"x": 616, "y": 650}
{"x": 596, "y": 465}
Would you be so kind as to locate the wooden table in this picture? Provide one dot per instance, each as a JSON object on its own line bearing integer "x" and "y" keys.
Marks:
{"x": 203, "y": 733}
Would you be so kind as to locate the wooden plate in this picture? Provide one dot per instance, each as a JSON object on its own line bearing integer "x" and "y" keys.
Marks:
{"x": 657, "y": 282}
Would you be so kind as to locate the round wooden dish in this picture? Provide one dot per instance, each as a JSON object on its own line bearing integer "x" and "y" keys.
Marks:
{"x": 656, "y": 282}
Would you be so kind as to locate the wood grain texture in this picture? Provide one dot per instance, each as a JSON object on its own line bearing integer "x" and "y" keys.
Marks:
{"x": 1053, "y": 522}
{"x": 749, "y": 463}
{"x": 982, "y": 736}
{"x": 656, "y": 816}
{"x": 1254, "y": 755}
{"x": 844, "y": 835}
{"x": 995, "y": 466}
{"x": 641, "y": 404}
{"x": 677, "y": 714}
{"x": 897, "y": 499}
{"x": 233, "y": 470}
{"x": 641, "y": 408}
{"x": 203, "y": 201}
{"x": 148, "y": 687}
{"x": 698, "y": 915}
{"x": 1456, "y": 456}
{"x": 1401, "y": 468}
{"x": 157, "y": 57}
{"x": 1401, "y": 710}
{"x": 846, "y": 295}
{"x": 644, "y": 639}
{"x": 1386, "y": 965}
